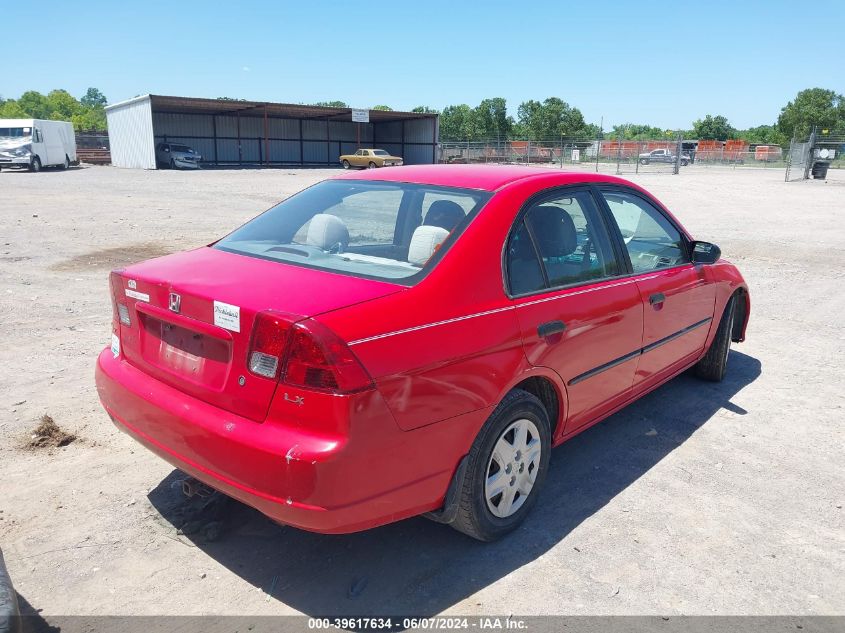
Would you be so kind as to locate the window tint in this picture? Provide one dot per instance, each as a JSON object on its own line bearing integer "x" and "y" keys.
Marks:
{"x": 651, "y": 240}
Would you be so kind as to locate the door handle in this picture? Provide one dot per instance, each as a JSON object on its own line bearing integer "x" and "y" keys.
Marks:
{"x": 657, "y": 297}
{"x": 552, "y": 327}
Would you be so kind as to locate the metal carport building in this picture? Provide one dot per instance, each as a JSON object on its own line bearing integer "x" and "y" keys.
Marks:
{"x": 257, "y": 133}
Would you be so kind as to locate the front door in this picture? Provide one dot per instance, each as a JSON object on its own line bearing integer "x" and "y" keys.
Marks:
{"x": 576, "y": 315}
{"x": 678, "y": 300}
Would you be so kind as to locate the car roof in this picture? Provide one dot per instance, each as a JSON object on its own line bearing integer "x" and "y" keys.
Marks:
{"x": 485, "y": 177}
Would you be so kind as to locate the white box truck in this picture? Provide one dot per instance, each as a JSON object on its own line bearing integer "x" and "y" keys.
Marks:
{"x": 36, "y": 143}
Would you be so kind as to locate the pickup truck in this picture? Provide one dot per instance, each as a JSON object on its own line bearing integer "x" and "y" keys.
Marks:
{"x": 662, "y": 156}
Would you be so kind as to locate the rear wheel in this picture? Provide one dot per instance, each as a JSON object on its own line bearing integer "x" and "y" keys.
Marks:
{"x": 35, "y": 165}
{"x": 506, "y": 467}
{"x": 372, "y": 165}
{"x": 346, "y": 164}
{"x": 643, "y": 161}
{"x": 715, "y": 362}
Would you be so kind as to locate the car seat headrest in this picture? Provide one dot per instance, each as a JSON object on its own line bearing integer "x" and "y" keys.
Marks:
{"x": 445, "y": 214}
{"x": 327, "y": 232}
{"x": 424, "y": 243}
{"x": 554, "y": 230}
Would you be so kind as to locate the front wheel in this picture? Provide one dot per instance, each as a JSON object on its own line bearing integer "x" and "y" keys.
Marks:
{"x": 35, "y": 165}
{"x": 643, "y": 161}
{"x": 345, "y": 164}
{"x": 506, "y": 467}
{"x": 372, "y": 165}
{"x": 715, "y": 362}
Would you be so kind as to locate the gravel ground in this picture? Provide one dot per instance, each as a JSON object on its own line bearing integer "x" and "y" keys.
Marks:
{"x": 698, "y": 499}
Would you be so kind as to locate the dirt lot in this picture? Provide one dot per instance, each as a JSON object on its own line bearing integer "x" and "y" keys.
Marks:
{"x": 699, "y": 499}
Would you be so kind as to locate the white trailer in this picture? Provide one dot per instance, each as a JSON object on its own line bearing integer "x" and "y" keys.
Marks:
{"x": 36, "y": 143}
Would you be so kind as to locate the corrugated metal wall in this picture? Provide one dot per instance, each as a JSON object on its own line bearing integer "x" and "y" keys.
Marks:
{"x": 226, "y": 139}
{"x": 131, "y": 134}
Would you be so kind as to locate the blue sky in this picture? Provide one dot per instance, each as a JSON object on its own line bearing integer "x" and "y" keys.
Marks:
{"x": 662, "y": 63}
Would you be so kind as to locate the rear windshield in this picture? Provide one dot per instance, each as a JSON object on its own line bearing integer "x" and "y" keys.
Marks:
{"x": 380, "y": 230}
{"x": 380, "y": 152}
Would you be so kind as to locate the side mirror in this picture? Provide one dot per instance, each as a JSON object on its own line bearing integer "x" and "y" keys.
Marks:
{"x": 705, "y": 253}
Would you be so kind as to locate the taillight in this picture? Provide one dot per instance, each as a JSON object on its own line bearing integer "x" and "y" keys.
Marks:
{"x": 304, "y": 354}
{"x": 319, "y": 359}
{"x": 269, "y": 339}
{"x": 119, "y": 308}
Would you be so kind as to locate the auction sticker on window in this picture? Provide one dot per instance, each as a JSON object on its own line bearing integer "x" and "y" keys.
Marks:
{"x": 227, "y": 316}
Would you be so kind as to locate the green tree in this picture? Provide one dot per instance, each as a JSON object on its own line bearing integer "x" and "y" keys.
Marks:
{"x": 763, "y": 135}
{"x": 34, "y": 104}
{"x": 93, "y": 98}
{"x": 383, "y": 108}
{"x": 713, "y": 128}
{"x": 63, "y": 105}
{"x": 638, "y": 132}
{"x": 491, "y": 120}
{"x": 424, "y": 110}
{"x": 11, "y": 109}
{"x": 815, "y": 106}
{"x": 550, "y": 119}
{"x": 332, "y": 104}
{"x": 457, "y": 123}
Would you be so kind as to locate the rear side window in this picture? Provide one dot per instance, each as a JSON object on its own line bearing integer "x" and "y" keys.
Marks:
{"x": 568, "y": 241}
{"x": 650, "y": 238}
{"x": 359, "y": 227}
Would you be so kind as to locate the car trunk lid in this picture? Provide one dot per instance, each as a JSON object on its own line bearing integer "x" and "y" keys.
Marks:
{"x": 191, "y": 318}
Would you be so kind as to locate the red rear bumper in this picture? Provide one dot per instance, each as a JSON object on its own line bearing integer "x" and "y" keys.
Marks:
{"x": 319, "y": 481}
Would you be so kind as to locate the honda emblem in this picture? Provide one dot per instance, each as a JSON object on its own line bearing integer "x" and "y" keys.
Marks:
{"x": 175, "y": 302}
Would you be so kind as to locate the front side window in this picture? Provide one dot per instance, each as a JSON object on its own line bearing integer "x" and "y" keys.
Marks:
{"x": 383, "y": 230}
{"x": 650, "y": 238}
{"x": 563, "y": 236}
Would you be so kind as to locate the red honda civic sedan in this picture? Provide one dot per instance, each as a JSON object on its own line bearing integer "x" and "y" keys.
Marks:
{"x": 413, "y": 341}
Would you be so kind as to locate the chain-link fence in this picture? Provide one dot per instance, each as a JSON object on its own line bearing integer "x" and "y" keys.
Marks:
{"x": 815, "y": 155}
{"x": 621, "y": 157}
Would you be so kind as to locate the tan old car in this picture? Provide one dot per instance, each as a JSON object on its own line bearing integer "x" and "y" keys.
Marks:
{"x": 370, "y": 158}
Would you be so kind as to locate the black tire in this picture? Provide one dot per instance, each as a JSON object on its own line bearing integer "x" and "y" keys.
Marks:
{"x": 715, "y": 362}
{"x": 35, "y": 165}
{"x": 474, "y": 517}
{"x": 345, "y": 164}
{"x": 372, "y": 165}
{"x": 643, "y": 161}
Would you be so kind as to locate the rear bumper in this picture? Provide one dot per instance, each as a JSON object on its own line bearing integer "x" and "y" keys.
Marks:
{"x": 321, "y": 482}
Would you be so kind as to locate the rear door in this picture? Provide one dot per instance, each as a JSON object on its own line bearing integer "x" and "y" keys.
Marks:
{"x": 678, "y": 299}
{"x": 576, "y": 315}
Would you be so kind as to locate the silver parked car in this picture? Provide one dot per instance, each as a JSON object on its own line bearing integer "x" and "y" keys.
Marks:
{"x": 177, "y": 156}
